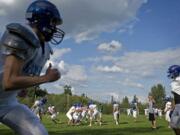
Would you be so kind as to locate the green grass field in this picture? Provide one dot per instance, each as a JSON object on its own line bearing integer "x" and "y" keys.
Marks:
{"x": 127, "y": 127}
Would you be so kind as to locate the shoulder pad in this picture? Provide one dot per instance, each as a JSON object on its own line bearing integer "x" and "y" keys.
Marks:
{"x": 24, "y": 33}
{"x": 13, "y": 44}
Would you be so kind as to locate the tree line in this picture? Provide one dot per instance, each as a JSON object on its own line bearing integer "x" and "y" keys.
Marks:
{"x": 65, "y": 100}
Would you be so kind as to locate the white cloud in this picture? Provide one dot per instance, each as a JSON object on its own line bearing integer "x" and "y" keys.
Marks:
{"x": 63, "y": 67}
{"x": 109, "y": 69}
{"x": 73, "y": 90}
{"x": 2, "y": 12}
{"x": 145, "y": 63}
{"x": 114, "y": 95}
{"x": 83, "y": 19}
{"x": 58, "y": 53}
{"x": 105, "y": 58}
{"x": 76, "y": 73}
{"x": 7, "y": 1}
{"x": 128, "y": 27}
{"x": 129, "y": 83}
{"x": 113, "y": 46}
{"x": 73, "y": 75}
{"x": 69, "y": 73}
{"x": 142, "y": 63}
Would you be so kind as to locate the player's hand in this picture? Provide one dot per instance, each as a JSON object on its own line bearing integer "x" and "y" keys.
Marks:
{"x": 52, "y": 74}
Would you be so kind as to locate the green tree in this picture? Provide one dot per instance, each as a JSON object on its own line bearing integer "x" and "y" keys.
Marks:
{"x": 158, "y": 93}
{"x": 112, "y": 99}
{"x": 67, "y": 90}
{"x": 83, "y": 95}
{"x": 125, "y": 102}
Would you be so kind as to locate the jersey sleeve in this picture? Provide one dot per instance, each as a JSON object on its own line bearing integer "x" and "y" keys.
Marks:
{"x": 15, "y": 42}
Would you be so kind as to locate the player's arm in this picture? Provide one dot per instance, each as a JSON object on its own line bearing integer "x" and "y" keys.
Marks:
{"x": 18, "y": 45}
{"x": 13, "y": 78}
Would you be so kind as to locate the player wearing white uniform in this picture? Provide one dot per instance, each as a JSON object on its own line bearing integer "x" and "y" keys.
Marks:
{"x": 116, "y": 113}
{"x": 174, "y": 74}
{"x": 84, "y": 114}
{"x": 167, "y": 110}
{"x": 24, "y": 50}
{"x": 69, "y": 114}
{"x": 53, "y": 113}
{"x": 128, "y": 112}
{"x": 135, "y": 110}
{"x": 77, "y": 114}
{"x": 38, "y": 107}
{"x": 151, "y": 110}
{"x": 94, "y": 114}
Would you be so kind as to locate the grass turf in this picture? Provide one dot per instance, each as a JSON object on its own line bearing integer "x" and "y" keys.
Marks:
{"x": 127, "y": 127}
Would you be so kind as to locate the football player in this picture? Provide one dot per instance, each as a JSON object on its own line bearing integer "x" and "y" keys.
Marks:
{"x": 94, "y": 114}
{"x": 53, "y": 114}
{"x": 174, "y": 74}
{"x": 151, "y": 110}
{"x": 116, "y": 113}
{"x": 38, "y": 107}
{"x": 135, "y": 108}
{"x": 70, "y": 113}
{"x": 24, "y": 50}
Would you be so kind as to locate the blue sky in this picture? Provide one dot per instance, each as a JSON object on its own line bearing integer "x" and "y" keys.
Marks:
{"x": 112, "y": 48}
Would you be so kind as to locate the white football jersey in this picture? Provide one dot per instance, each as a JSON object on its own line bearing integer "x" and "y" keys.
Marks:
{"x": 115, "y": 107}
{"x": 168, "y": 106}
{"x": 71, "y": 110}
{"x": 33, "y": 67}
{"x": 37, "y": 103}
{"x": 175, "y": 85}
{"x": 93, "y": 106}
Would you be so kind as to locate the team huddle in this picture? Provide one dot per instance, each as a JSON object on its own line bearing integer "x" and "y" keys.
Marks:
{"x": 76, "y": 114}
{"x": 25, "y": 49}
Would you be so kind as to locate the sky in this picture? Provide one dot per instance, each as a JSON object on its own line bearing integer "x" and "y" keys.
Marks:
{"x": 112, "y": 47}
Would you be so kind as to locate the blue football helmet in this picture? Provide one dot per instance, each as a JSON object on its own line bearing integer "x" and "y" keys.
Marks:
{"x": 167, "y": 98}
{"x": 44, "y": 100}
{"x": 45, "y": 17}
{"x": 173, "y": 71}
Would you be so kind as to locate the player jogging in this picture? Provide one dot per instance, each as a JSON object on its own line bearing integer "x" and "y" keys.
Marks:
{"x": 174, "y": 74}
{"x": 24, "y": 50}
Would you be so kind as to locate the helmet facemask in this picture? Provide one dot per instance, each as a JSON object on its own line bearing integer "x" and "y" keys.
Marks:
{"x": 51, "y": 32}
{"x": 58, "y": 34}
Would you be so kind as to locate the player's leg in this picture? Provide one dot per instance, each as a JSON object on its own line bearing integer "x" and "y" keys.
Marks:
{"x": 135, "y": 115}
{"x": 100, "y": 117}
{"x": 90, "y": 118}
{"x": 152, "y": 120}
{"x": 53, "y": 118}
{"x": 154, "y": 124}
{"x": 23, "y": 121}
{"x": 116, "y": 117}
{"x": 70, "y": 118}
{"x": 175, "y": 119}
{"x": 97, "y": 117}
